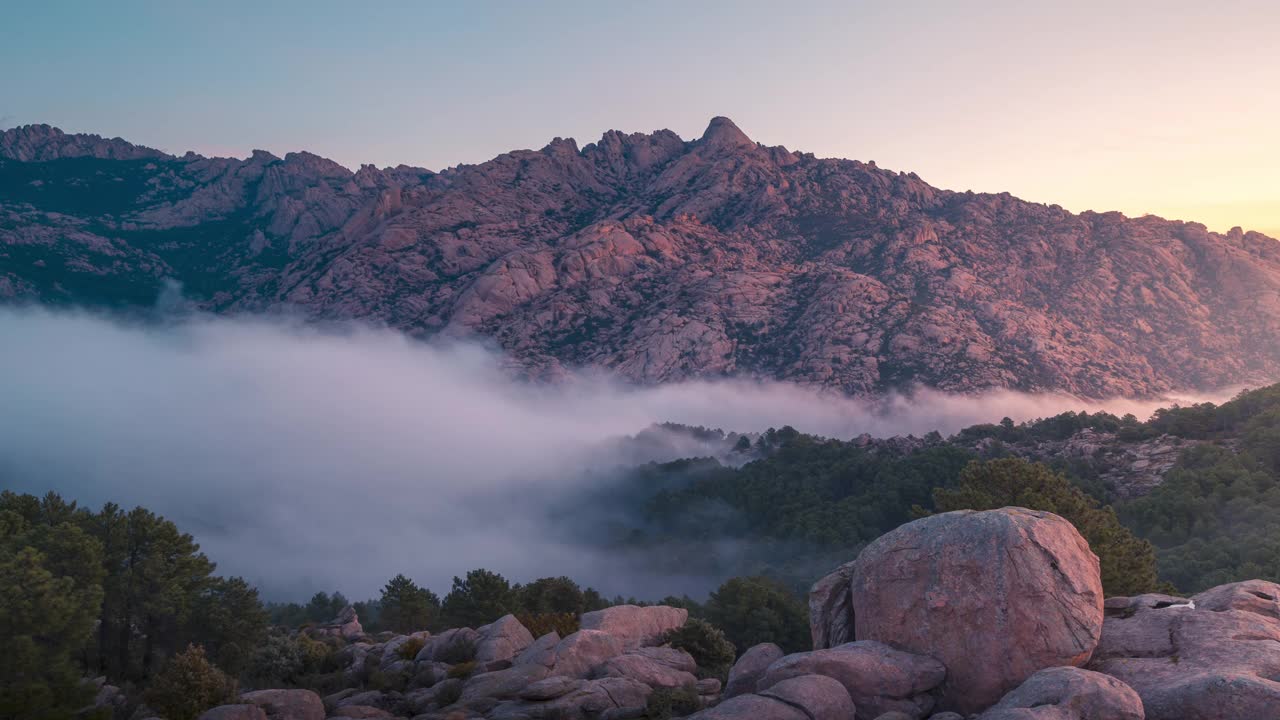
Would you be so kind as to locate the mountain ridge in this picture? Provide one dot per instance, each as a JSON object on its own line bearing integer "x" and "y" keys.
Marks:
{"x": 660, "y": 259}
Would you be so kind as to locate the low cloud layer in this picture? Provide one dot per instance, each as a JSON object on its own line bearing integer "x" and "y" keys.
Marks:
{"x": 308, "y": 459}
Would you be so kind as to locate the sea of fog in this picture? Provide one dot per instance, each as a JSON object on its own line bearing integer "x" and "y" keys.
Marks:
{"x": 308, "y": 458}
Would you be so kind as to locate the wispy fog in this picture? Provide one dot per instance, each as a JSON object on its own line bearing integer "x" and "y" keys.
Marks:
{"x": 309, "y": 459}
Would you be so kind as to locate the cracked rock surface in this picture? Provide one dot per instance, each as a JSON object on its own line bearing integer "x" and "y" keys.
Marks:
{"x": 1217, "y": 660}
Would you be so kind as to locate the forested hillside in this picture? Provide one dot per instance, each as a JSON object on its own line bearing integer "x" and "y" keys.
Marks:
{"x": 1213, "y": 517}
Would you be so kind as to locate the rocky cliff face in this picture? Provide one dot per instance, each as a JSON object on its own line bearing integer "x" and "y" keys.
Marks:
{"x": 660, "y": 259}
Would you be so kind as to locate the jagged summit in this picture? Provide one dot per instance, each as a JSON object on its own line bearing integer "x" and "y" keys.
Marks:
{"x": 35, "y": 143}
{"x": 659, "y": 259}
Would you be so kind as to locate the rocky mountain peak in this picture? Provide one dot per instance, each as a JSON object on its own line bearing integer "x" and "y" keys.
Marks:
{"x": 723, "y": 134}
{"x": 661, "y": 260}
{"x": 40, "y": 143}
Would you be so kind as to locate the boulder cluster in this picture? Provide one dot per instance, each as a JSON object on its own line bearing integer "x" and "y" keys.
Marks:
{"x": 991, "y": 615}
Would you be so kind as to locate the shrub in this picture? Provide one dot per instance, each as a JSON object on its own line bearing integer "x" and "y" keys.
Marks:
{"x": 387, "y": 681}
{"x": 666, "y": 703}
{"x": 462, "y": 670}
{"x": 279, "y": 659}
{"x": 540, "y": 624}
{"x": 449, "y": 693}
{"x": 317, "y": 656}
{"x": 460, "y": 650}
{"x": 707, "y": 644}
{"x": 325, "y": 683}
{"x": 188, "y": 685}
{"x": 411, "y": 647}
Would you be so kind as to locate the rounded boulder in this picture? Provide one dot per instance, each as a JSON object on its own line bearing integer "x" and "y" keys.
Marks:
{"x": 995, "y": 595}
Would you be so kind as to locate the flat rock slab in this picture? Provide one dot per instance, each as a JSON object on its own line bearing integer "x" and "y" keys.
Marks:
{"x": 1218, "y": 660}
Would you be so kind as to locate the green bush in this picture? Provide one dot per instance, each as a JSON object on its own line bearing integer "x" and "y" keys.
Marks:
{"x": 188, "y": 685}
{"x": 462, "y": 670}
{"x": 666, "y": 703}
{"x": 410, "y": 649}
{"x": 387, "y": 681}
{"x": 279, "y": 659}
{"x": 707, "y": 644}
{"x": 449, "y": 693}
{"x": 460, "y": 650}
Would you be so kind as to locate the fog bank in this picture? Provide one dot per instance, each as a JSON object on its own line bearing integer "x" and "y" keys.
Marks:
{"x": 308, "y": 459}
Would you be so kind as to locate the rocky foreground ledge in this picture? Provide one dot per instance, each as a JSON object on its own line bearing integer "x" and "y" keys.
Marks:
{"x": 993, "y": 615}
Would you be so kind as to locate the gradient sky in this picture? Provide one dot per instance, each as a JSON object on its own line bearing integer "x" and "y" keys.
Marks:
{"x": 1170, "y": 107}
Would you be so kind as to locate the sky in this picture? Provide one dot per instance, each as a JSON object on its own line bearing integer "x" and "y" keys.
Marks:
{"x": 1164, "y": 107}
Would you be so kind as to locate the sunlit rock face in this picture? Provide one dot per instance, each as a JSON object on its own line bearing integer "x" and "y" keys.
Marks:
{"x": 658, "y": 258}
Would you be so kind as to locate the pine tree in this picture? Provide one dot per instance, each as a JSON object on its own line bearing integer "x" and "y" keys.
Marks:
{"x": 404, "y": 607}
{"x": 482, "y": 597}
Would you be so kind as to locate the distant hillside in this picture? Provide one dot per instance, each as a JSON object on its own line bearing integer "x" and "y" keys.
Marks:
{"x": 1202, "y": 483}
{"x": 659, "y": 258}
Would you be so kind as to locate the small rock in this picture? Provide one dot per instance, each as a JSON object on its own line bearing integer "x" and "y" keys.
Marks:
{"x": 287, "y": 704}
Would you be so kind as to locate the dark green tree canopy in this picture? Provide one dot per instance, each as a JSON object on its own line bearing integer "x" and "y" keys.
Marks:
{"x": 753, "y": 610}
{"x": 404, "y": 607}
{"x": 480, "y": 598}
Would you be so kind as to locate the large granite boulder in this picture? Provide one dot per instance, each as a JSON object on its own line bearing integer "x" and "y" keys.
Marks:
{"x": 877, "y": 677}
{"x": 456, "y": 642}
{"x": 804, "y": 697}
{"x": 657, "y": 667}
{"x": 503, "y": 684}
{"x": 754, "y": 707}
{"x": 246, "y": 711}
{"x": 361, "y": 712}
{"x": 346, "y": 626}
{"x": 541, "y": 652}
{"x": 746, "y": 672}
{"x": 391, "y": 649}
{"x": 635, "y": 626}
{"x": 995, "y": 595}
{"x": 287, "y": 704}
{"x": 1211, "y": 657}
{"x": 1068, "y": 693}
{"x": 586, "y": 699}
{"x": 831, "y": 608}
{"x": 551, "y": 688}
{"x": 501, "y": 640}
{"x": 822, "y": 698}
{"x": 579, "y": 654}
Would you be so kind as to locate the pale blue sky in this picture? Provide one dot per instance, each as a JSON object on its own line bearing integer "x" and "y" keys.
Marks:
{"x": 1167, "y": 107}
